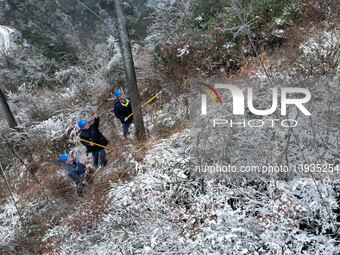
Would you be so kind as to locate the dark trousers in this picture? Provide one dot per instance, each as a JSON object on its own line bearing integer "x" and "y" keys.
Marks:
{"x": 125, "y": 128}
{"x": 99, "y": 157}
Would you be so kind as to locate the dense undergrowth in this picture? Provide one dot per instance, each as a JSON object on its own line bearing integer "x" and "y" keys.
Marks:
{"x": 158, "y": 207}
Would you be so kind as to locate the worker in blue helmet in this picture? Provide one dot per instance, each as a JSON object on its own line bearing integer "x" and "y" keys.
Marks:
{"x": 75, "y": 170}
{"x": 123, "y": 110}
{"x": 93, "y": 140}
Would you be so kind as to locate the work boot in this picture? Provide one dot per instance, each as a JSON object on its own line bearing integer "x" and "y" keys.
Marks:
{"x": 80, "y": 188}
{"x": 104, "y": 163}
{"x": 79, "y": 192}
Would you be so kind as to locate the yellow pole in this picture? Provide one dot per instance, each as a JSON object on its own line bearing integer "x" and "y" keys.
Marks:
{"x": 152, "y": 98}
{"x": 105, "y": 147}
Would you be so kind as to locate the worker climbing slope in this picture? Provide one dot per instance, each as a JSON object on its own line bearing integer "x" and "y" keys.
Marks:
{"x": 123, "y": 111}
{"x": 75, "y": 170}
{"x": 94, "y": 140}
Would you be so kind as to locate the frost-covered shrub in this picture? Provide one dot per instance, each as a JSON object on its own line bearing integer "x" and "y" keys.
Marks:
{"x": 219, "y": 44}
{"x": 319, "y": 10}
{"x": 171, "y": 114}
{"x": 266, "y": 21}
{"x": 204, "y": 12}
{"x": 31, "y": 103}
{"x": 269, "y": 221}
{"x": 320, "y": 53}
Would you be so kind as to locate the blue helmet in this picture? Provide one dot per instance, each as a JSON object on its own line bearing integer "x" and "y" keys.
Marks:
{"x": 64, "y": 157}
{"x": 82, "y": 123}
{"x": 118, "y": 93}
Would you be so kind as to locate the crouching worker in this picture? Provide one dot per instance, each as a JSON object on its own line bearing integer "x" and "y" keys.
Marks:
{"x": 75, "y": 170}
{"x": 91, "y": 137}
{"x": 123, "y": 111}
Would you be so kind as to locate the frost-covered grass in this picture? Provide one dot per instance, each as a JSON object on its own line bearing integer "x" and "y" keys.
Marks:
{"x": 10, "y": 223}
{"x": 171, "y": 114}
{"x": 163, "y": 210}
{"x": 123, "y": 211}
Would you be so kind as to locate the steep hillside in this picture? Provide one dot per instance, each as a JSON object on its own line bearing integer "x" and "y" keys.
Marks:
{"x": 60, "y": 62}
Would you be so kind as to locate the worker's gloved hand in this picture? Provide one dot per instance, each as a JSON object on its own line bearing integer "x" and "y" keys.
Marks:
{"x": 126, "y": 119}
{"x": 91, "y": 143}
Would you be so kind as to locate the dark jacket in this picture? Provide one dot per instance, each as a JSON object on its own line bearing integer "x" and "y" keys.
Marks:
{"x": 94, "y": 135}
{"x": 76, "y": 170}
{"x": 122, "y": 111}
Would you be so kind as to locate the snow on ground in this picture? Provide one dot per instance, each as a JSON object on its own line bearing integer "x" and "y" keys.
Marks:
{"x": 162, "y": 210}
{"x": 134, "y": 207}
{"x": 9, "y": 223}
{"x": 321, "y": 43}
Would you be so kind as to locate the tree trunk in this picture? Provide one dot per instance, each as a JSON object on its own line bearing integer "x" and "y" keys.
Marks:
{"x": 9, "y": 115}
{"x": 129, "y": 70}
